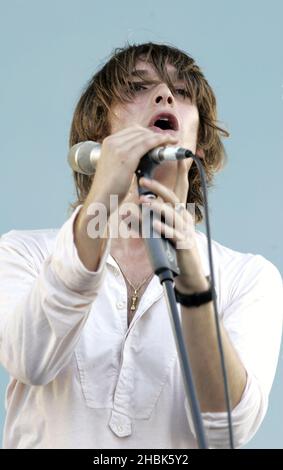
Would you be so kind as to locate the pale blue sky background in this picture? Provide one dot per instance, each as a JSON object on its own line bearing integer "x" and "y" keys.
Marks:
{"x": 49, "y": 49}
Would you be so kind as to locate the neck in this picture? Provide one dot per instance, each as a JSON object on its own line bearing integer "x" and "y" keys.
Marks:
{"x": 128, "y": 246}
{"x": 128, "y": 242}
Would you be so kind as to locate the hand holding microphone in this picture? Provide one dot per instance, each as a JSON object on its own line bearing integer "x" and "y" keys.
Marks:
{"x": 114, "y": 164}
{"x": 115, "y": 161}
{"x": 83, "y": 157}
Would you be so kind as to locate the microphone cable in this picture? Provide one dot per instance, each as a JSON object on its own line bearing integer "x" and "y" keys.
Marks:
{"x": 216, "y": 316}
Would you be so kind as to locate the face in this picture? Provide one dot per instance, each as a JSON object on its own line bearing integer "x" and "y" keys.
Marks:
{"x": 153, "y": 97}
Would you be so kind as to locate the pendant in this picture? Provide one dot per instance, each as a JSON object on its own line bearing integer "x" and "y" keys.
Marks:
{"x": 134, "y": 300}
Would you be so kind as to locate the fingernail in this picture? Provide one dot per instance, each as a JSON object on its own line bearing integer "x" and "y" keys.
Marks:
{"x": 144, "y": 180}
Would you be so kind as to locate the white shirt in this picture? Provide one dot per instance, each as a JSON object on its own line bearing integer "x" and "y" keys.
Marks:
{"x": 80, "y": 378}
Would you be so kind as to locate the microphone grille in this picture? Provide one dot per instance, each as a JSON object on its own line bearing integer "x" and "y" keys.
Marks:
{"x": 83, "y": 157}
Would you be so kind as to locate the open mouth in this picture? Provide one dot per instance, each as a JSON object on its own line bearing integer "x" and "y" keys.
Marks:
{"x": 164, "y": 122}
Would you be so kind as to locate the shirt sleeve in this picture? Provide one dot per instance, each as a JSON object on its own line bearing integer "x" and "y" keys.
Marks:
{"x": 43, "y": 311}
{"x": 253, "y": 321}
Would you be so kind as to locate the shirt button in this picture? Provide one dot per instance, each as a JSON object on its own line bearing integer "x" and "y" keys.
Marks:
{"x": 120, "y": 304}
{"x": 120, "y": 425}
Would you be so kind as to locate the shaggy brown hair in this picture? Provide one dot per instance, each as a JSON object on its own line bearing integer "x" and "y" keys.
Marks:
{"x": 112, "y": 84}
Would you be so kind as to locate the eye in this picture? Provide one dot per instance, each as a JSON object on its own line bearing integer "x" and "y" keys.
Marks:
{"x": 136, "y": 86}
{"x": 183, "y": 92}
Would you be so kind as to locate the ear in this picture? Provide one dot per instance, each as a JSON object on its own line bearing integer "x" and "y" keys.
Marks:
{"x": 200, "y": 152}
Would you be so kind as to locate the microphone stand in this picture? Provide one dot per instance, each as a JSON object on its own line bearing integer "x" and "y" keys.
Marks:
{"x": 162, "y": 254}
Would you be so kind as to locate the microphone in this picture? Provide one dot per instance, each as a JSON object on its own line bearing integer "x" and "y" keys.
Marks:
{"x": 83, "y": 157}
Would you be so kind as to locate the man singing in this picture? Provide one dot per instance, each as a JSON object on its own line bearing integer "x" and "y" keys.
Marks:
{"x": 85, "y": 332}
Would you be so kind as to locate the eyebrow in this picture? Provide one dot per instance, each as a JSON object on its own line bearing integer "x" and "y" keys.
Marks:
{"x": 146, "y": 73}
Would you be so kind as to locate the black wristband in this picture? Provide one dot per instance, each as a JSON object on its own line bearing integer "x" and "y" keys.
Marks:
{"x": 193, "y": 300}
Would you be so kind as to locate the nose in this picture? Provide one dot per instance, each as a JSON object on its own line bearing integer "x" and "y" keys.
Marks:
{"x": 163, "y": 94}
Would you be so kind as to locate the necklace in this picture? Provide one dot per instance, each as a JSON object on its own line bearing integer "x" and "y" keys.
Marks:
{"x": 134, "y": 297}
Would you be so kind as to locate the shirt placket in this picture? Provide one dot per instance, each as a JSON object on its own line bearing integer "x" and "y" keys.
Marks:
{"x": 120, "y": 422}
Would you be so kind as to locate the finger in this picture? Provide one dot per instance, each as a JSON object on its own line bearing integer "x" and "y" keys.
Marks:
{"x": 181, "y": 240}
{"x": 135, "y": 132}
{"x": 174, "y": 215}
{"x": 146, "y": 143}
{"x": 169, "y": 232}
